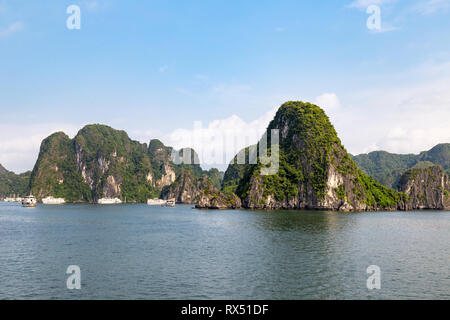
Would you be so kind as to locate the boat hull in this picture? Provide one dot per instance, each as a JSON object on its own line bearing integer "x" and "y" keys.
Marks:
{"x": 53, "y": 201}
{"x": 109, "y": 201}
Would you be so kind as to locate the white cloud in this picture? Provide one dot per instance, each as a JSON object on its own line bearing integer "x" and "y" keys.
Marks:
{"x": 428, "y": 7}
{"x": 398, "y": 118}
{"x": 328, "y": 101}
{"x": 219, "y": 141}
{"x": 163, "y": 69}
{"x": 20, "y": 143}
{"x": 229, "y": 92}
{"x": 96, "y": 5}
{"x": 145, "y": 135}
{"x": 92, "y": 5}
{"x": 12, "y": 28}
{"x": 363, "y": 4}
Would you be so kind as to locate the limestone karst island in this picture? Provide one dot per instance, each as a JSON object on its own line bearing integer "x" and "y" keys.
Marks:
{"x": 315, "y": 172}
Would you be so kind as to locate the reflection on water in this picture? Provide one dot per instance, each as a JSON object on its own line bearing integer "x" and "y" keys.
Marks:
{"x": 303, "y": 221}
{"x": 142, "y": 252}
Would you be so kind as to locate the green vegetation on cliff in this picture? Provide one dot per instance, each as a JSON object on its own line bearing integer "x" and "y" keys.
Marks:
{"x": 116, "y": 165}
{"x": 13, "y": 184}
{"x": 235, "y": 172}
{"x": 310, "y": 155}
{"x": 55, "y": 172}
{"x": 98, "y": 162}
{"x": 387, "y": 168}
{"x": 103, "y": 162}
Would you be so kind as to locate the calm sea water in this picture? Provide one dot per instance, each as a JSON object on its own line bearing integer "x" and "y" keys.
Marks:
{"x": 143, "y": 252}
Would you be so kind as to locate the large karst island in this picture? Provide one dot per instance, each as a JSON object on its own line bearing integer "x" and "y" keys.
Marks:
{"x": 315, "y": 171}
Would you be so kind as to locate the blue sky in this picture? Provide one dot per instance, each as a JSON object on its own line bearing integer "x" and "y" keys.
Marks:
{"x": 152, "y": 68}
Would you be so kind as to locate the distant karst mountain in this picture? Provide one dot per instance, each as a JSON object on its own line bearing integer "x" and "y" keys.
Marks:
{"x": 103, "y": 162}
{"x": 387, "y": 168}
{"x": 427, "y": 187}
{"x": 13, "y": 184}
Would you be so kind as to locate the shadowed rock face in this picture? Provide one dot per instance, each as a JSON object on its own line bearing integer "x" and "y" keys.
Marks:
{"x": 211, "y": 198}
{"x": 185, "y": 189}
{"x": 427, "y": 188}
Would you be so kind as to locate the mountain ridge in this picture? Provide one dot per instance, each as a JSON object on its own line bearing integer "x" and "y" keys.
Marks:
{"x": 13, "y": 184}
{"x": 104, "y": 162}
{"x": 387, "y": 168}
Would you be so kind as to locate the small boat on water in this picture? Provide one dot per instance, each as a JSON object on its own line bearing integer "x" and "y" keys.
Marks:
{"x": 29, "y": 201}
{"x": 51, "y": 200}
{"x": 109, "y": 201}
{"x": 156, "y": 202}
{"x": 169, "y": 203}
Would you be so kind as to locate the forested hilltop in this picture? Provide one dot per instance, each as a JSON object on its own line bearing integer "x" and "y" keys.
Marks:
{"x": 103, "y": 162}
{"x": 13, "y": 184}
{"x": 387, "y": 168}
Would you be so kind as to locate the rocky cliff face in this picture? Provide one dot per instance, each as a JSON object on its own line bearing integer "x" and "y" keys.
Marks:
{"x": 55, "y": 172}
{"x": 112, "y": 164}
{"x": 189, "y": 185}
{"x": 315, "y": 170}
{"x": 104, "y": 162}
{"x": 186, "y": 188}
{"x": 163, "y": 168}
{"x": 211, "y": 198}
{"x": 427, "y": 188}
{"x": 98, "y": 162}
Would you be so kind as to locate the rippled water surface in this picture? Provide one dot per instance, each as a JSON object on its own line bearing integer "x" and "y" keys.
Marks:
{"x": 143, "y": 252}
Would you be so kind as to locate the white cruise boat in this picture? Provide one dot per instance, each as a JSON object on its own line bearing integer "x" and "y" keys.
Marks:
{"x": 109, "y": 201}
{"x": 51, "y": 200}
{"x": 156, "y": 202}
{"x": 29, "y": 201}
